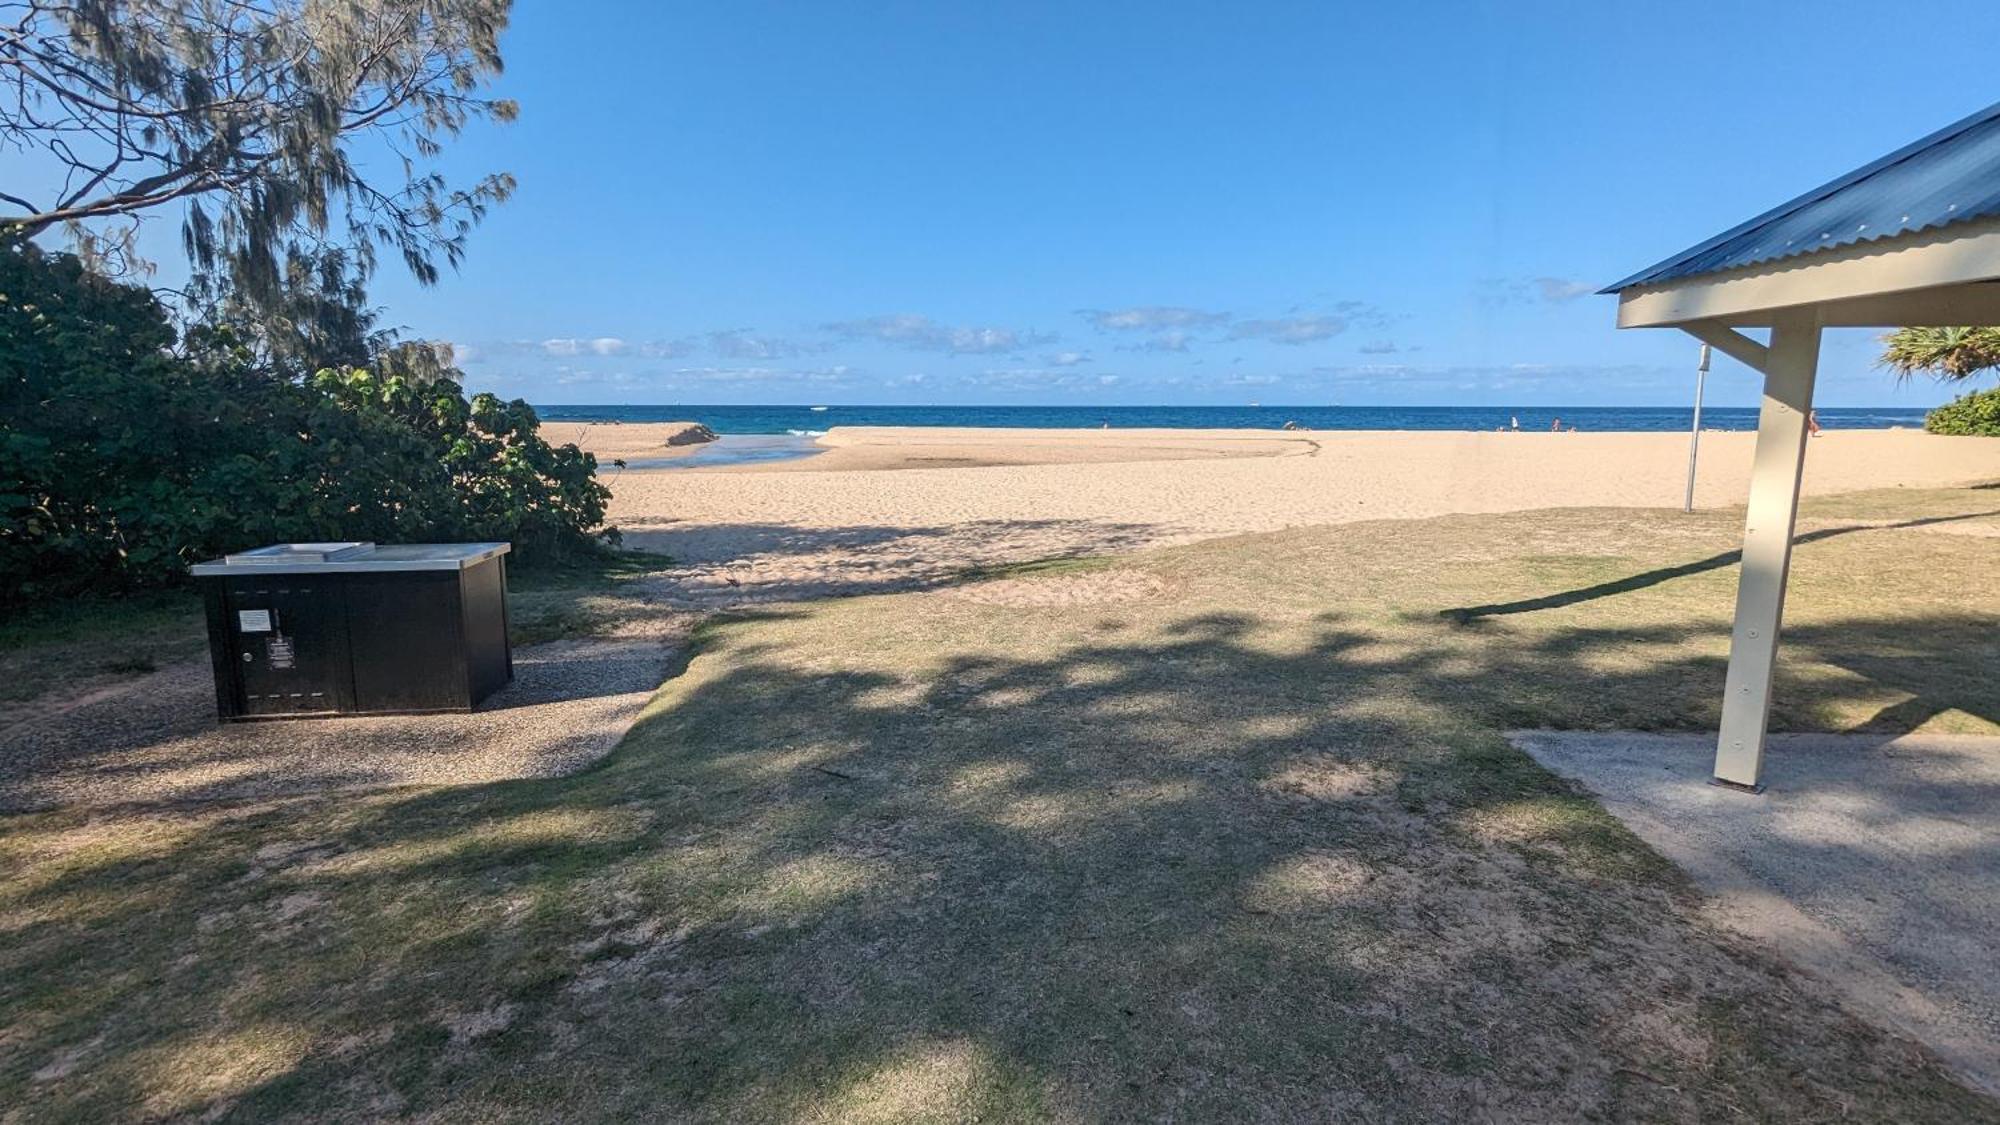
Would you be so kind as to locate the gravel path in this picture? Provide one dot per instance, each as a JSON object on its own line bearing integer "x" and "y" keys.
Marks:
{"x": 155, "y": 740}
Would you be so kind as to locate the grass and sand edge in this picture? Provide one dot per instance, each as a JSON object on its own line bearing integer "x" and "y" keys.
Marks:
{"x": 1165, "y": 846}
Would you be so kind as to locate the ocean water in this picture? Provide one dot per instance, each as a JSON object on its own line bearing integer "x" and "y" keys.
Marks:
{"x": 809, "y": 420}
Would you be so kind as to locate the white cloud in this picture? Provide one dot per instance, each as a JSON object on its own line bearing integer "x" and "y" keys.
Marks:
{"x": 1173, "y": 340}
{"x": 1492, "y": 376}
{"x": 1068, "y": 359}
{"x": 1502, "y": 291}
{"x": 1175, "y": 328}
{"x": 1291, "y": 329}
{"x": 1557, "y": 290}
{"x": 570, "y": 377}
{"x": 667, "y": 349}
{"x": 707, "y": 375}
{"x": 1151, "y": 318}
{"x": 741, "y": 343}
{"x": 924, "y": 334}
{"x": 983, "y": 340}
{"x": 573, "y": 346}
{"x": 1172, "y": 328}
{"x": 578, "y": 347}
{"x": 1020, "y": 378}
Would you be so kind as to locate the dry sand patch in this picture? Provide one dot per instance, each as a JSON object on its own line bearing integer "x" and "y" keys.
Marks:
{"x": 818, "y": 528}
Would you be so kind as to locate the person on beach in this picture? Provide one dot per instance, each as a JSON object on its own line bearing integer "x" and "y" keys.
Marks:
{"x": 1514, "y": 422}
{"x": 1812, "y": 422}
{"x": 1556, "y": 426}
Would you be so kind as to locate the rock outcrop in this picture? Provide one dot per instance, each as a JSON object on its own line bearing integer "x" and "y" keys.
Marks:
{"x": 688, "y": 433}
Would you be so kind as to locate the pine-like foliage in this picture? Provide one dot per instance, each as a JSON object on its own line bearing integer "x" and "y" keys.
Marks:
{"x": 283, "y": 133}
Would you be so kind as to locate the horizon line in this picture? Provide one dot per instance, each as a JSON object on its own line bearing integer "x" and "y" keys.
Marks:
{"x": 1175, "y": 406}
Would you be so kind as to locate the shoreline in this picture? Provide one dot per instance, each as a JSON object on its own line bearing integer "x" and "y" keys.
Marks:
{"x": 879, "y": 448}
{"x": 1880, "y": 457}
{"x": 1674, "y": 417}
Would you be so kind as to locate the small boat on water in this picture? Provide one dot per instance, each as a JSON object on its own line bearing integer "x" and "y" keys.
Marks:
{"x": 819, "y": 410}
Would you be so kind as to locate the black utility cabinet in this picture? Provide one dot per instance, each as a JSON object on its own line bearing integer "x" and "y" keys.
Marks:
{"x": 300, "y": 630}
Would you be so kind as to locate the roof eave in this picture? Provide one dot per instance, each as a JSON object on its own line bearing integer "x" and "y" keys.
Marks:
{"x": 1935, "y": 276}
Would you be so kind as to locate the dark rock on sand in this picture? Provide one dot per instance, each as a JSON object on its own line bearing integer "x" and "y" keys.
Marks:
{"x": 689, "y": 433}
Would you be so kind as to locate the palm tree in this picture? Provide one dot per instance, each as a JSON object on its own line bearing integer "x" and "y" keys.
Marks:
{"x": 1945, "y": 353}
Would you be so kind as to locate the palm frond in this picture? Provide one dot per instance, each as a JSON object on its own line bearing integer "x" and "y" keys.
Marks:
{"x": 1943, "y": 353}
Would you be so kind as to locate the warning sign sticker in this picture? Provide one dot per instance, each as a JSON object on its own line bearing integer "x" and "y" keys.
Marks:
{"x": 279, "y": 650}
{"x": 253, "y": 620}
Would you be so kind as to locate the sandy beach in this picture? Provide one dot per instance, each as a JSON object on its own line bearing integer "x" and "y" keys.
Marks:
{"x": 847, "y": 448}
{"x": 883, "y": 508}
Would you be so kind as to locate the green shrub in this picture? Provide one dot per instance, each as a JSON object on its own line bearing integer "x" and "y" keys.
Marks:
{"x": 421, "y": 461}
{"x": 126, "y": 453}
{"x": 1975, "y": 415}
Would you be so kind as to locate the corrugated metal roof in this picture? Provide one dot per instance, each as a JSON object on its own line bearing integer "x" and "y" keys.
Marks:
{"x": 1951, "y": 176}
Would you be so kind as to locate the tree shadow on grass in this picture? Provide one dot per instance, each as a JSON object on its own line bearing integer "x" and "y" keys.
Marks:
{"x": 1206, "y": 868}
{"x": 1465, "y": 615}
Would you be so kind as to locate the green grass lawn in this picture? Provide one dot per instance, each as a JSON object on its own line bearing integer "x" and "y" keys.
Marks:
{"x": 75, "y": 644}
{"x": 1222, "y": 832}
{"x": 581, "y": 600}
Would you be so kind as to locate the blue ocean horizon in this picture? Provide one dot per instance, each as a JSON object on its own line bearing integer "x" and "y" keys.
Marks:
{"x": 806, "y": 419}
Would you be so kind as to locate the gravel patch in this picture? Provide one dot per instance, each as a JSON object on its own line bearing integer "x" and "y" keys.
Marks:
{"x": 156, "y": 739}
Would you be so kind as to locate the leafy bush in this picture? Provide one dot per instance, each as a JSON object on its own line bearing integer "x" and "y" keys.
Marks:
{"x": 1976, "y": 414}
{"x": 124, "y": 457}
{"x": 422, "y": 461}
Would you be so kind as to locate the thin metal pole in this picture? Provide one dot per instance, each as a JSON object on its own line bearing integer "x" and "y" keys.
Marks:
{"x": 1694, "y": 438}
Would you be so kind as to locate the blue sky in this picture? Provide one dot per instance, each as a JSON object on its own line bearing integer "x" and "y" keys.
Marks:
{"x": 1155, "y": 203}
